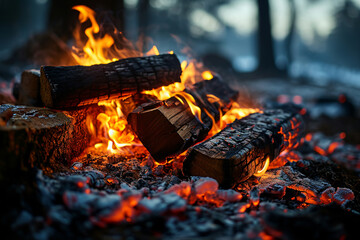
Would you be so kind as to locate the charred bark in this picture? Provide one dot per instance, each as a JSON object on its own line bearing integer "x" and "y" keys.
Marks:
{"x": 43, "y": 138}
{"x": 241, "y": 149}
{"x": 129, "y": 104}
{"x": 167, "y": 128}
{"x": 72, "y": 86}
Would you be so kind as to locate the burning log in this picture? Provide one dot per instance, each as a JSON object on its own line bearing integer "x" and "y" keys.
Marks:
{"x": 72, "y": 86}
{"x": 130, "y": 103}
{"x": 41, "y": 137}
{"x": 245, "y": 147}
{"x": 169, "y": 127}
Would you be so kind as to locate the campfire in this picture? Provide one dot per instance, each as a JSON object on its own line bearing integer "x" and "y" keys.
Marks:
{"x": 122, "y": 143}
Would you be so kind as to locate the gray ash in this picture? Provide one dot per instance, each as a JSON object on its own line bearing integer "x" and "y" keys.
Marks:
{"x": 308, "y": 192}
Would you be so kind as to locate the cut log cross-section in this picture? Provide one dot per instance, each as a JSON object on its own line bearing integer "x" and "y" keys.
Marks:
{"x": 168, "y": 128}
{"x": 40, "y": 137}
{"x": 242, "y": 148}
{"x": 73, "y": 86}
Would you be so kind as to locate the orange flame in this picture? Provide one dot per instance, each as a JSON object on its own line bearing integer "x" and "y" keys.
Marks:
{"x": 207, "y": 75}
{"x": 263, "y": 170}
{"x": 114, "y": 134}
{"x": 94, "y": 48}
{"x": 235, "y": 112}
{"x": 99, "y": 50}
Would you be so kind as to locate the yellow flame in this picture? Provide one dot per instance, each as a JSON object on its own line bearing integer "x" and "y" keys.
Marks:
{"x": 100, "y": 48}
{"x": 94, "y": 48}
{"x": 263, "y": 170}
{"x": 206, "y": 75}
{"x": 153, "y": 51}
{"x": 237, "y": 112}
{"x": 195, "y": 110}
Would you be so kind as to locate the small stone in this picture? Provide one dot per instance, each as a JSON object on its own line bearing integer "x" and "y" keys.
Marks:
{"x": 343, "y": 195}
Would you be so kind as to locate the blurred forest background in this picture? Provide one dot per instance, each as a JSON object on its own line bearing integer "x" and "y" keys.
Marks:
{"x": 317, "y": 39}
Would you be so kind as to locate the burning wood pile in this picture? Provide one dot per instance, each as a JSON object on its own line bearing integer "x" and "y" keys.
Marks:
{"x": 148, "y": 146}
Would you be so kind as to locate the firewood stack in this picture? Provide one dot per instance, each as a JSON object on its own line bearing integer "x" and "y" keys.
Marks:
{"x": 168, "y": 128}
{"x": 73, "y": 86}
{"x": 45, "y": 137}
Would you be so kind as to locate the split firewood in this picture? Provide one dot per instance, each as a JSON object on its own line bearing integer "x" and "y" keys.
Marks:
{"x": 73, "y": 86}
{"x": 29, "y": 89}
{"x": 130, "y": 103}
{"x": 244, "y": 147}
{"x": 167, "y": 128}
{"x": 40, "y": 137}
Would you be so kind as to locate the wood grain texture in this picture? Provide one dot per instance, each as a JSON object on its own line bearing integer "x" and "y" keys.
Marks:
{"x": 29, "y": 91}
{"x": 240, "y": 150}
{"x": 40, "y": 137}
{"x": 167, "y": 128}
{"x": 73, "y": 86}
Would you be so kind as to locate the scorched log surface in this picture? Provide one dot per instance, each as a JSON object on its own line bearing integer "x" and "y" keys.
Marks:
{"x": 241, "y": 149}
{"x": 168, "y": 128}
{"x": 72, "y": 86}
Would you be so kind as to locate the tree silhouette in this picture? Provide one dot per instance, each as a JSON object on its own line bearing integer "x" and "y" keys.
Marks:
{"x": 266, "y": 56}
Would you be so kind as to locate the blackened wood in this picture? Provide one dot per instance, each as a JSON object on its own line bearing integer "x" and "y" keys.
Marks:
{"x": 130, "y": 103}
{"x": 29, "y": 90}
{"x": 40, "y": 137}
{"x": 72, "y": 86}
{"x": 167, "y": 128}
{"x": 240, "y": 150}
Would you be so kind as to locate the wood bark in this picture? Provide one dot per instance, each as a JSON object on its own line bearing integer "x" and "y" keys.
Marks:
{"x": 40, "y": 137}
{"x": 241, "y": 149}
{"x": 167, "y": 128}
{"x": 73, "y": 86}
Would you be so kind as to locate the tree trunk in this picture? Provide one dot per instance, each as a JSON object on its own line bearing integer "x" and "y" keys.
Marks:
{"x": 288, "y": 41}
{"x": 241, "y": 149}
{"x": 72, "y": 86}
{"x": 266, "y": 56}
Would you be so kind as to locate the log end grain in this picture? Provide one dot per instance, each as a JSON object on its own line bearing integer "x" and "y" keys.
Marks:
{"x": 175, "y": 119}
{"x": 45, "y": 89}
{"x": 29, "y": 89}
{"x": 40, "y": 137}
{"x": 155, "y": 130}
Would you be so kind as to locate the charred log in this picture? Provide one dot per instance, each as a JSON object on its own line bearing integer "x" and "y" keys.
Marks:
{"x": 241, "y": 149}
{"x": 130, "y": 103}
{"x": 169, "y": 127}
{"x": 39, "y": 137}
{"x": 29, "y": 90}
{"x": 72, "y": 86}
